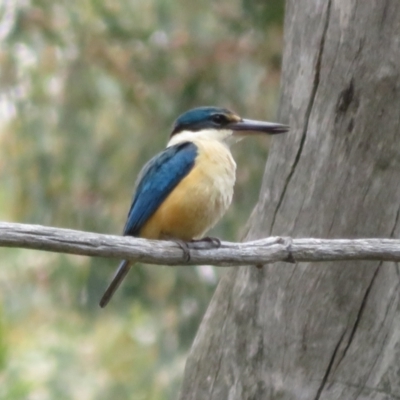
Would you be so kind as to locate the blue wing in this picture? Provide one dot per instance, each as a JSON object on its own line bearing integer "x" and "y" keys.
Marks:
{"x": 156, "y": 181}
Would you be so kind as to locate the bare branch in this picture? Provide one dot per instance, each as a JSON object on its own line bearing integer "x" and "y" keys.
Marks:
{"x": 257, "y": 252}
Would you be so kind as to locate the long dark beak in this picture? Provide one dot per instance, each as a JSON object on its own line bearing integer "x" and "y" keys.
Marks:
{"x": 249, "y": 125}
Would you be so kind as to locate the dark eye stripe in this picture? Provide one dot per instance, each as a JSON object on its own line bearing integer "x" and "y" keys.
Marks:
{"x": 220, "y": 119}
{"x": 203, "y": 118}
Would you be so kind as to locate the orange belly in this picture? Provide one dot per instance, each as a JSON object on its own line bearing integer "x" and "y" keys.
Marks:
{"x": 198, "y": 201}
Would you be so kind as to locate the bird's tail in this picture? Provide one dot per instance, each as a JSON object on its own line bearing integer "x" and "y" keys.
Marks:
{"x": 119, "y": 276}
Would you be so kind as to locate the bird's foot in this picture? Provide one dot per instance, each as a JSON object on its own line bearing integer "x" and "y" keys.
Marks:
{"x": 213, "y": 242}
{"x": 204, "y": 243}
{"x": 185, "y": 248}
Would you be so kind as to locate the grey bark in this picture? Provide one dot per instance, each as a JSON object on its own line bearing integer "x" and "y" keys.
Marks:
{"x": 256, "y": 252}
{"x": 301, "y": 331}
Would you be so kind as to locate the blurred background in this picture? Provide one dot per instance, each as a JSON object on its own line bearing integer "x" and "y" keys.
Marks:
{"x": 88, "y": 92}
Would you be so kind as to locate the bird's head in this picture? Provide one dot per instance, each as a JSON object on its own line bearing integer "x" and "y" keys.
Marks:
{"x": 214, "y": 123}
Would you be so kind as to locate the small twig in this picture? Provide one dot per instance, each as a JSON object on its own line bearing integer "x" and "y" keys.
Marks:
{"x": 257, "y": 252}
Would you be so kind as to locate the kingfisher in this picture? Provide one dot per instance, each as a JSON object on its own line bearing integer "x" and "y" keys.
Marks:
{"x": 183, "y": 191}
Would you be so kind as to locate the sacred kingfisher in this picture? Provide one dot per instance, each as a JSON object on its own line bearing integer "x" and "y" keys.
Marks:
{"x": 183, "y": 191}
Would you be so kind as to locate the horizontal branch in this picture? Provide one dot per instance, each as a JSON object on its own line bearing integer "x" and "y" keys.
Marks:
{"x": 256, "y": 252}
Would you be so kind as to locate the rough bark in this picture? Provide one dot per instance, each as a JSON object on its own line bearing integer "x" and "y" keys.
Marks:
{"x": 301, "y": 331}
{"x": 256, "y": 252}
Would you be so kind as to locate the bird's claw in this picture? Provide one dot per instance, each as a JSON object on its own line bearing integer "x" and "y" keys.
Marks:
{"x": 204, "y": 243}
{"x": 213, "y": 242}
{"x": 185, "y": 248}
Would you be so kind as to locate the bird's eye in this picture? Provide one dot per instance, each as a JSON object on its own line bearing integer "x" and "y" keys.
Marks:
{"x": 219, "y": 119}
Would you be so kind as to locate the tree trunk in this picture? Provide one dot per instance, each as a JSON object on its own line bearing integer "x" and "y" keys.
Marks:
{"x": 327, "y": 330}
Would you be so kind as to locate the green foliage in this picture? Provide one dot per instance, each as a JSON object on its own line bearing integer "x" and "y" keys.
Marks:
{"x": 91, "y": 88}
